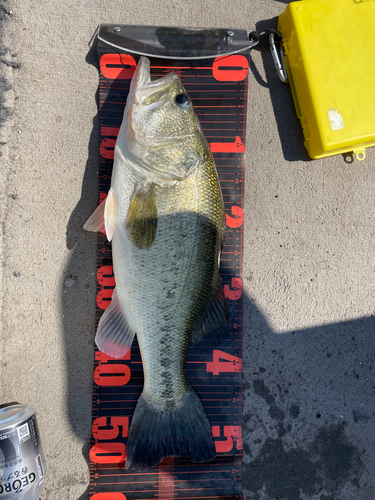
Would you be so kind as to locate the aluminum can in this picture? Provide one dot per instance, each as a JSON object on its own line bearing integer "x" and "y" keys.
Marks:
{"x": 22, "y": 465}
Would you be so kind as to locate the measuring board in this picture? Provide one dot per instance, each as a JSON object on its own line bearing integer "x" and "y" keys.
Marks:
{"x": 218, "y": 90}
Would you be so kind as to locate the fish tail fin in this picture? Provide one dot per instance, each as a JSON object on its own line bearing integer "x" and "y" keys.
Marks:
{"x": 179, "y": 430}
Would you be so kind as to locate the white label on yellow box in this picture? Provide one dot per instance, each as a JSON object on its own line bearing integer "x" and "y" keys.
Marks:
{"x": 335, "y": 119}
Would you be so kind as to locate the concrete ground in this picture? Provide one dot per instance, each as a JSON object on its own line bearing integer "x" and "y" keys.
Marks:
{"x": 309, "y": 261}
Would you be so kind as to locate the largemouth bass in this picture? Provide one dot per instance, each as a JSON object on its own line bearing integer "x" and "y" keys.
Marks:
{"x": 165, "y": 217}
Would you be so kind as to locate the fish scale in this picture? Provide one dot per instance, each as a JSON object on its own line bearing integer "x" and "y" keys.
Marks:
{"x": 161, "y": 281}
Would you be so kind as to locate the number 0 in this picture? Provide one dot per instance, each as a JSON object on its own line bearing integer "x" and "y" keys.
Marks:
{"x": 111, "y": 375}
{"x": 230, "y": 68}
{"x": 108, "y": 453}
{"x": 121, "y": 66}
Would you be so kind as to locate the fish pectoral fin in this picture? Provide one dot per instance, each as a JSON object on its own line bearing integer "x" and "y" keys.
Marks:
{"x": 114, "y": 336}
{"x": 104, "y": 217}
{"x": 213, "y": 324}
{"x": 96, "y": 221}
{"x": 141, "y": 219}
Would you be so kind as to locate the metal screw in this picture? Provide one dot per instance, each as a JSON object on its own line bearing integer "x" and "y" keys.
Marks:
{"x": 117, "y": 29}
{"x": 230, "y": 33}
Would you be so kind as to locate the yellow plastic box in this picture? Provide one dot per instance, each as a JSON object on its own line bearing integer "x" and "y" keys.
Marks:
{"x": 329, "y": 49}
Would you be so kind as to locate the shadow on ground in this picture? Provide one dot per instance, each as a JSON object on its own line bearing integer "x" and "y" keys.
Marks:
{"x": 288, "y": 125}
{"x": 78, "y": 295}
{"x": 308, "y": 410}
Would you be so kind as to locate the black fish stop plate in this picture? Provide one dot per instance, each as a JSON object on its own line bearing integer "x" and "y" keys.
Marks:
{"x": 213, "y": 67}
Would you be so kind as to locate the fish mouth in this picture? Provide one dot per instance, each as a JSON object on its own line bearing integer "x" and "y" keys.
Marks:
{"x": 147, "y": 92}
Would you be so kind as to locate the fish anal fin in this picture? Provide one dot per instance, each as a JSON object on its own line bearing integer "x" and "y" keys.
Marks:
{"x": 213, "y": 324}
{"x": 141, "y": 219}
{"x": 114, "y": 336}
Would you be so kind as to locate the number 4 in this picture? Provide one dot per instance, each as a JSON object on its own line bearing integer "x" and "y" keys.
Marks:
{"x": 231, "y": 363}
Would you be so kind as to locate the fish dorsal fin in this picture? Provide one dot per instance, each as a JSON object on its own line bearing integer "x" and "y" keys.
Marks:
{"x": 213, "y": 323}
{"x": 104, "y": 217}
{"x": 141, "y": 219}
{"x": 114, "y": 336}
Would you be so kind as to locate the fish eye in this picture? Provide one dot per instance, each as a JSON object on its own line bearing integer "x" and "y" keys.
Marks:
{"x": 181, "y": 99}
